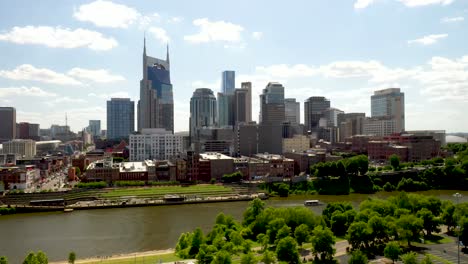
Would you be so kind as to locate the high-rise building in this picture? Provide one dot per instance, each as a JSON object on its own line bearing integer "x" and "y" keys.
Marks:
{"x": 156, "y": 104}
{"x": 389, "y": 103}
{"x": 314, "y": 109}
{"x": 202, "y": 110}
{"x": 272, "y": 104}
{"x": 350, "y": 124}
{"x": 292, "y": 111}
{"x": 225, "y": 109}
{"x": 248, "y": 109}
{"x": 26, "y": 130}
{"x": 95, "y": 128}
{"x": 331, "y": 114}
{"x": 120, "y": 118}
{"x": 240, "y": 106}
{"x": 228, "y": 82}
{"x": 8, "y": 127}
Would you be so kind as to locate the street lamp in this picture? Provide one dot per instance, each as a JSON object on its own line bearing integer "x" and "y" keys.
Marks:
{"x": 458, "y": 196}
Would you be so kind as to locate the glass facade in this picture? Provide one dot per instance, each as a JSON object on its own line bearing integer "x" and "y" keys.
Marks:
{"x": 228, "y": 82}
{"x": 120, "y": 118}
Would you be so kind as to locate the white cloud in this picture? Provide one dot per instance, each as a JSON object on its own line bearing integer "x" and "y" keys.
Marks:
{"x": 257, "y": 35}
{"x": 30, "y": 73}
{"x": 452, "y": 19}
{"x": 146, "y": 20}
{"x": 175, "y": 20}
{"x": 57, "y": 37}
{"x": 286, "y": 71}
{"x": 215, "y": 31}
{"x": 107, "y": 14}
{"x": 415, "y": 3}
{"x": 160, "y": 34}
{"x": 110, "y": 95}
{"x": 428, "y": 40}
{"x": 359, "y": 4}
{"x": 25, "y": 91}
{"x": 63, "y": 100}
{"x": 99, "y": 76}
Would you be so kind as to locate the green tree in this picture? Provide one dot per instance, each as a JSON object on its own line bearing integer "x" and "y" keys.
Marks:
{"x": 256, "y": 206}
{"x": 42, "y": 258}
{"x": 359, "y": 235}
{"x": 31, "y": 259}
{"x": 283, "y": 190}
{"x": 392, "y": 251}
{"x": 409, "y": 228}
{"x": 3, "y": 260}
{"x": 287, "y": 250}
{"x": 268, "y": 257}
{"x": 357, "y": 257}
{"x": 323, "y": 243}
{"x": 285, "y": 231}
{"x": 301, "y": 234}
{"x": 262, "y": 239}
{"x": 363, "y": 164}
{"x": 409, "y": 258}
{"x": 248, "y": 258}
{"x": 71, "y": 257}
{"x": 197, "y": 240}
{"x": 77, "y": 171}
{"x": 464, "y": 231}
{"x": 426, "y": 260}
{"x": 430, "y": 222}
{"x": 222, "y": 257}
{"x": 273, "y": 228}
{"x": 395, "y": 162}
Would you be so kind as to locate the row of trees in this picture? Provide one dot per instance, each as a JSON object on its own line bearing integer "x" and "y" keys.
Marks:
{"x": 39, "y": 258}
{"x": 379, "y": 227}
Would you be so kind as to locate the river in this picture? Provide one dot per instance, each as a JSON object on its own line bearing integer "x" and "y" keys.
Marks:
{"x": 107, "y": 232}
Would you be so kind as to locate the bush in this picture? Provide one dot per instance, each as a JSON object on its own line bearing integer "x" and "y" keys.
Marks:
{"x": 129, "y": 183}
{"x": 388, "y": 187}
{"x": 233, "y": 177}
{"x": 6, "y": 210}
{"x": 91, "y": 185}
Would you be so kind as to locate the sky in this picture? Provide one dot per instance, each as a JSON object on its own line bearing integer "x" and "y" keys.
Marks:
{"x": 70, "y": 57}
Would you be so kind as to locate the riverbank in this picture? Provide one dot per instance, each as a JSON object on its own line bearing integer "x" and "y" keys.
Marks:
{"x": 154, "y": 256}
{"x": 133, "y": 202}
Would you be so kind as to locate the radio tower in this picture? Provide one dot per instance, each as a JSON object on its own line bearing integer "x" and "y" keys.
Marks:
{"x": 66, "y": 119}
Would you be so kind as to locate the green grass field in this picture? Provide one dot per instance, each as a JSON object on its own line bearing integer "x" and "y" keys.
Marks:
{"x": 163, "y": 190}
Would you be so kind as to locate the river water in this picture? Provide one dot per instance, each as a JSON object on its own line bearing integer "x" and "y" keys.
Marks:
{"x": 106, "y": 232}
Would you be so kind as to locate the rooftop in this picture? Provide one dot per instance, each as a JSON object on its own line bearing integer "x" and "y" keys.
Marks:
{"x": 214, "y": 156}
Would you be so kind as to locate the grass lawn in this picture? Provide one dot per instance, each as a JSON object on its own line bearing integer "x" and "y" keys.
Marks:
{"x": 439, "y": 259}
{"x": 163, "y": 190}
{"x": 140, "y": 260}
{"x": 436, "y": 239}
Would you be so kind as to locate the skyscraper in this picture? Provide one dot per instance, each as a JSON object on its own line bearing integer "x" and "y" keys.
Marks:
{"x": 120, "y": 118}
{"x": 292, "y": 111}
{"x": 25, "y": 130}
{"x": 228, "y": 82}
{"x": 156, "y": 104}
{"x": 225, "y": 109}
{"x": 240, "y": 106}
{"x": 272, "y": 104}
{"x": 8, "y": 123}
{"x": 202, "y": 110}
{"x": 95, "y": 127}
{"x": 389, "y": 103}
{"x": 314, "y": 108}
{"x": 248, "y": 109}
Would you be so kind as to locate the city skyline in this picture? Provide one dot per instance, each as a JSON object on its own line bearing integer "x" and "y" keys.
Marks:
{"x": 44, "y": 77}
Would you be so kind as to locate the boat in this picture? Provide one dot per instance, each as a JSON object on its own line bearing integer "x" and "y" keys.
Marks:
{"x": 68, "y": 210}
{"x": 312, "y": 203}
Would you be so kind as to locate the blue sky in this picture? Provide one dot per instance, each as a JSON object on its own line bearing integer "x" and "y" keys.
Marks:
{"x": 72, "y": 56}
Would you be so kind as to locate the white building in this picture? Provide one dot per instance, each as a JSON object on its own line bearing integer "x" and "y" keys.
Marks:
{"x": 23, "y": 147}
{"x": 380, "y": 127}
{"x": 155, "y": 143}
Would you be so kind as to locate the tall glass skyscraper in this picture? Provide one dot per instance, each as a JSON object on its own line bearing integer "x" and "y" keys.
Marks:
{"x": 389, "y": 103}
{"x": 272, "y": 104}
{"x": 120, "y": 118}
{"x": 314, "y": 109}
{"x": 228, "y": 82}
{"x": 156, "y": 104}
{"x": 8, "y": 123}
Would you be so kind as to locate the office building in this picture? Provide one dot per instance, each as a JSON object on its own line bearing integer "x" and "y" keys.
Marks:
{"x": 228, "y": 79}
{"x": 248, "y": 86}
{"x": 240, "y": 106}
{"x": 389, "y": 104}
{"x": 298, "y": 143}
{"x": 155, "y": 143}
{"x": 331, "y": 114}
{"x": 314, "y": 109}
{"x": 292, "y": 111}
{"x": 26, "y": 148}
{"x": 26, "y": 130}
{"x": 438, "y": 135}
{"x": 350, "y": 124}
{"x": 225, "y": 110}
{"x": 272, "y": 104}
{"x": 120, "y": 118}
{"x": 8, "y": 127}
{"x": 380, "y": 126}
{"x": 156, "y": 105}
{"x": 95, "y": 128}
{"x": 202, "y": 110}
{"x": 246, "y": 139}
{"x": 214, "y": 139}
